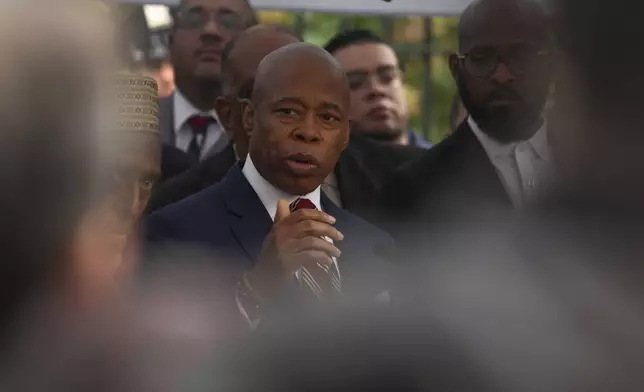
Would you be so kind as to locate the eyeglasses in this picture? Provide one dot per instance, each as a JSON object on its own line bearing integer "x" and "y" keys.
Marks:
{"x": 385, "y": 75}
{"x": 197, "y": 18}
{"x": 483, "y": 63}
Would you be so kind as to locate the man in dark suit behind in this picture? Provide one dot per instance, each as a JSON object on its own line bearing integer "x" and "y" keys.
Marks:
{"x": 268, "y": 216}
{"x": 360, "y": 169}
{"x": 494, "y": 158}
{"x": 201, "y": 29}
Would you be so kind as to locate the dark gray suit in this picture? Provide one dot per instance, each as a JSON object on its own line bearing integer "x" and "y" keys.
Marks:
{"x": 166, "y": 125}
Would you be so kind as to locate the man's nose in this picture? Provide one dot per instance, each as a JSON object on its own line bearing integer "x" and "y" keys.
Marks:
{"x": 502, "y": 74}
{"x": 211, "y": 28}
{"x": 375, "y": 85}
{"x": 306, "y": 131}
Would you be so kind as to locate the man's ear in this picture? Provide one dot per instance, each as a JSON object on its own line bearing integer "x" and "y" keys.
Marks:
{"x": 347, "y": 136}
{"x": 454, "y": 65}
{"x": 224, "y": 114}
{"x": 248, "y": 116}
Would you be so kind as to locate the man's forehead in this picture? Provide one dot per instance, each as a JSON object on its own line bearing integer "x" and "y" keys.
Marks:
{"x": 311, "y": 97}
{"x": 503, "y": 33}
{"x": 502, "y": 22}
{"x": 368, "y": 54}
{"x": 213, "y": 5}
{"x": 299, "y": 86}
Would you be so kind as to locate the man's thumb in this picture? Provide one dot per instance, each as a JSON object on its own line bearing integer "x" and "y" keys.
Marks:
{"x": 282, "y": 210}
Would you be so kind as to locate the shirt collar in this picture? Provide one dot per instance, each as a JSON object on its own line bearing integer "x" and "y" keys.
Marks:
{"x": 183, "y": 110}
{"x": 417, "y": 141}
{"x": 493, "y": 148}
{"x": 269, "y": 194}
{"x": 539, "y": 142}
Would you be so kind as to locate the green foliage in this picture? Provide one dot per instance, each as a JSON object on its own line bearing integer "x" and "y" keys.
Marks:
{"x": 434, "y": 96}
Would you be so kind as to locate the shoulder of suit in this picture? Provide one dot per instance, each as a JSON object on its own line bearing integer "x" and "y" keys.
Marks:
{"x": 194, "y": 205}
{"x": 366, "y": 228}
{"x": 174, "y": 190}
{"x": 409, "y": 181}
{"x": 166, "y": 102}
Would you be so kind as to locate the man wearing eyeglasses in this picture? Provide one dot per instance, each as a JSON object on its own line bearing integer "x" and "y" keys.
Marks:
{"x": 378, "y": 105}
{"x": 201, "y": 30}
{"x": 499, "y": 156}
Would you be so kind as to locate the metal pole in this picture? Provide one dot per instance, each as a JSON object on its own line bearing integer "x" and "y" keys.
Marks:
{"x": 426, "y": 56}
{"x": 345, "y": 23}
{"x": 387, "y": 24}
{"x": 300, "y": 24}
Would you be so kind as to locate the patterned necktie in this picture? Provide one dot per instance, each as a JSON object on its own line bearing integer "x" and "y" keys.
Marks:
{"x": 323, "y": 280}
{"x": 199, "y": 126}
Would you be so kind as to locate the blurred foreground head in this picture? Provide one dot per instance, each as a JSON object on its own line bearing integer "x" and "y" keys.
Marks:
{"x": 128, "y": 165}
{"x": 48, "y": 78}
{"x": 597, "y": 118}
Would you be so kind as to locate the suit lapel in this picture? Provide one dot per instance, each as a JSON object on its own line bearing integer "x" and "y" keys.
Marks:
{"x": 363, "y": 267}
{"x": 477, "y": 171}
{"x": 251, "y": 221}
{"x": 217, "y": 166}
{"x": 220, "y": 144}
{"x": 166, "y": 120}
{"x": 342, "y": 224}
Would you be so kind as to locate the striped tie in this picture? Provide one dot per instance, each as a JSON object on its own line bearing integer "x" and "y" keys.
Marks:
{"x": 324, "y": 280}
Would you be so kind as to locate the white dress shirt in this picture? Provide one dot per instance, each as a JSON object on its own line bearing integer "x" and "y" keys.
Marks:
{"x": 183, "y": 110}
{"x": 269, "y": 195}
{"x": 521, "y": 166}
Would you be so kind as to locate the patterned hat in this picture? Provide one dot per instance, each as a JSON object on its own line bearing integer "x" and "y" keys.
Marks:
{"x": 137, "y": 103}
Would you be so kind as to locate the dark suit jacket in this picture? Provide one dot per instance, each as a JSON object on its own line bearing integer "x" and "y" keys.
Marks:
{"x": 451, "y": 183}
{"x": 360, "y": 171}
{"x": 166, "y": 126}
{"x": 174, "y": 162}
{"x": 202, "y": 175}
{"x": 230, "y": 219}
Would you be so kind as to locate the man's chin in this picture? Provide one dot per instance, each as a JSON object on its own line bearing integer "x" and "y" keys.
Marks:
{"x": 381, "y": 134}
{"x": 504, "y": 125}
{"x": 208, "y": 74}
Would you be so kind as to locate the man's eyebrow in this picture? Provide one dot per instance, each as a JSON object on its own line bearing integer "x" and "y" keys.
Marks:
{"x": 293, "y": 100}
{"x": 332, "y": 106}
{"x": 193, "y": 7}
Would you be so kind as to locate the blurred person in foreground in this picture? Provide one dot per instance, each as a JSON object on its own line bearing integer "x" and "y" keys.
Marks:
{"x": 358, "y": 350}
{"x": 76, "y": 184}
{"x": 595, "y": 116}
{"x": 49, "y": 80}
{"x": 360, "y": 170}
{"x": 553, "y": 300}
{"x": 269, "y": 217}
{"x": 129, "y": 164}
{"x": 48, "y": 142}
{"x": 495, "y": 159}
{"x": 378, "y": 104}
{"x": 201, "y": 30}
